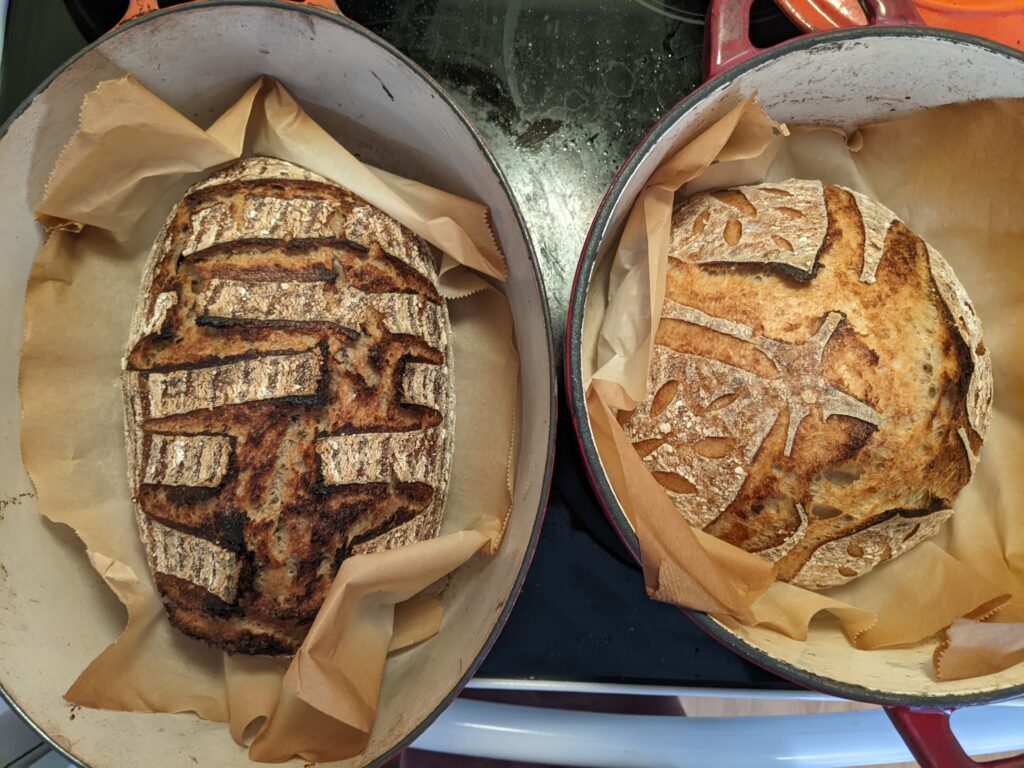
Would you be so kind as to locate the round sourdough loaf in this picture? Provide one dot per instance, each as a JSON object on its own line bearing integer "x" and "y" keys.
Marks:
{"x": 288, "y": 400}
{"x": 819, "y": 390}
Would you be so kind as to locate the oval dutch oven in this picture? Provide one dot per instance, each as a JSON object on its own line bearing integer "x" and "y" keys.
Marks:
{"x": 844, "y": 77}
{"x": 199, "y": 58}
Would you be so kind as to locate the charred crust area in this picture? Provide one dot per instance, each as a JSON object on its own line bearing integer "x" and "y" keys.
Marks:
{"x": 199, "y": 345}
{"x": 782, "y": 271}
{"x": 185, "y": 509}
{"x": 230, "y": 526}
{"x": 317, "y": 259}
{"x": 209, "y": 359}
{"x": 185, "y": 593}
{"x": 386, "y": 274}
{"x": 402, "y": 514}
{"x": 933, "y": 505}
{"x": 344, "y": 204}
{"x": 197, "y": 614}
{"x": 289, "y": 529}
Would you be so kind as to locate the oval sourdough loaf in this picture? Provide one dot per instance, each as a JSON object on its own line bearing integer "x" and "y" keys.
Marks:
{"x": 819, "y": 389}
{"x": 288, "y": 400}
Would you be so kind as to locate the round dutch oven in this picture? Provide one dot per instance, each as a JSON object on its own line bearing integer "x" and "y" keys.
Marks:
{"x": 199, "y": 58}
{"x": 844, "y": 77}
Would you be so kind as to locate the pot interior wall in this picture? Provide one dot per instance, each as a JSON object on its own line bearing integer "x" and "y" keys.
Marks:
{"x": 845, "y": 79}
{"x": 55, "y": 613}
{"x": 886, "y": 675}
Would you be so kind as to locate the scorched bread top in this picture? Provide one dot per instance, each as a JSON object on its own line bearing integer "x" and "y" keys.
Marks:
{"x": 288, "y": 399}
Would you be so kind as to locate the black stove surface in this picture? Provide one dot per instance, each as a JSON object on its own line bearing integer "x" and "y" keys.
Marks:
{"x": 562, "y": 90}
{"x": 583, "y": 614}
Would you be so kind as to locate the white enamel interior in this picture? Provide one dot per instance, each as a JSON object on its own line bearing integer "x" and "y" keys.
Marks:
{"x": 845, "y": 83}
{"x": 55, "y": 613}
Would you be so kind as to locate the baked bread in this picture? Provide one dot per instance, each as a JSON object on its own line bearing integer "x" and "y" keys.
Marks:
{"x": 288, "y": 400}
{"x": 819, "y": 389}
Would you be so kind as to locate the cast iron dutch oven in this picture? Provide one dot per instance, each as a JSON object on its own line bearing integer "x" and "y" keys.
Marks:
{"x": 844, "y": 77}
{"x": 200, "y": 58}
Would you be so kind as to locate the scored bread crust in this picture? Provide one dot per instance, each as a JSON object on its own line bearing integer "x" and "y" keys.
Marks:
{"x": 288, "y": 400}
{"x": 819, "y": 389}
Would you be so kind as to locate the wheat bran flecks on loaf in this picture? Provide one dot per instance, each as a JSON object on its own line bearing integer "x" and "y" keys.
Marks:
{"x": 819, "y": 390}
{"x": 288, "y": 400}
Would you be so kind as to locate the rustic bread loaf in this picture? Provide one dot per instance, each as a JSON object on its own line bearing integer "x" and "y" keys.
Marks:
{"x": 288, "y": 400}
{"x": 819, "y": 389}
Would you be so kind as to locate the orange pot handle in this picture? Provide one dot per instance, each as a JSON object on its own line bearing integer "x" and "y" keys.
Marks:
{"x": 821, "y": 15}
{"x": 727, "y": 31}
{"x": 813, "y": 16}
{"x": 139, "y": 8}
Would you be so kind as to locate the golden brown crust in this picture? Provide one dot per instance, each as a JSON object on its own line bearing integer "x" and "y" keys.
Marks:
{"x": 288, "y": 400}
{"x": 824, "y": 388}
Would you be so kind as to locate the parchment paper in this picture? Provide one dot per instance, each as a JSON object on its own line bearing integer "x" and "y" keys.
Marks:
{"x": 115, "y": 183}
{"x": 952, "y": 174}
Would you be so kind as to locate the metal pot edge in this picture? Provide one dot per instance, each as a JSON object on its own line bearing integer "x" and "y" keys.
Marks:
{"x": 532, "y": 252}
{"x": 577, "y": 395}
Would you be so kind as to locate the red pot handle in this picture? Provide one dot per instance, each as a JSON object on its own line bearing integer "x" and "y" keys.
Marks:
{"x": 139, "y": 8}
{"x": 933, "y": 743}
{"x": 727, "y": 31}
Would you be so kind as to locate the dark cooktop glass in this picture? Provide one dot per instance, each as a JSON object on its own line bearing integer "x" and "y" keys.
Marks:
{"x": 562, "y": 90}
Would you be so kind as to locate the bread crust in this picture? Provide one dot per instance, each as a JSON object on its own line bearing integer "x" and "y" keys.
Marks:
{"x": 288, "y": 400}
{"x": 819, "y": 390}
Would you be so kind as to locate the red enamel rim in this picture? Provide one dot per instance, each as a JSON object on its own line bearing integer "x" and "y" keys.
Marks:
{"x": 577, "y": 394}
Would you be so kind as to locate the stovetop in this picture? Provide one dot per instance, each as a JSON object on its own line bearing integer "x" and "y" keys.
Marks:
{"x": 583, "y": 613}
{"x": 562, "y": 90}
